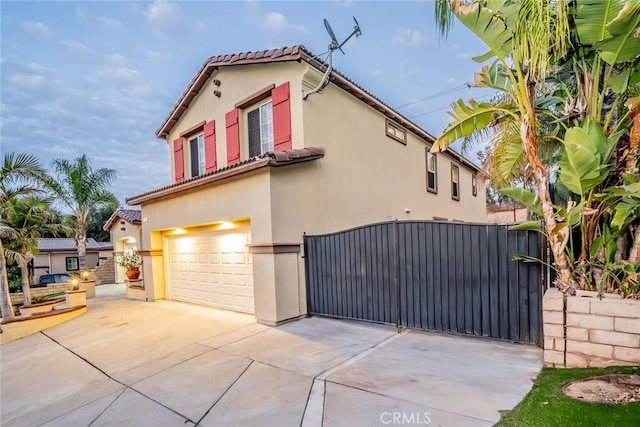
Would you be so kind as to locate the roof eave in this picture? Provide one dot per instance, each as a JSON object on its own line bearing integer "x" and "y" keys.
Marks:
{"x": 218, "y": 176}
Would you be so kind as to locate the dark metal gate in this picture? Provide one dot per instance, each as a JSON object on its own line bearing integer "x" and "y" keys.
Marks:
{"x": 449, "y": 277}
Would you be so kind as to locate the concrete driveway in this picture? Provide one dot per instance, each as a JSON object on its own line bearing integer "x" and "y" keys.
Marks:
{"x": 133, "y": 363}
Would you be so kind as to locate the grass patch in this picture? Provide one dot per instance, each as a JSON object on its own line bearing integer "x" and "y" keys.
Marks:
{"x": 37, "y": 300}
{"x": 546, "y": 404}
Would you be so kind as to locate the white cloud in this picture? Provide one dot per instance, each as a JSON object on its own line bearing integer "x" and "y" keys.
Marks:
{"x": 33, "y": 28}
{"x": 26, "y": 80}
{"x": 412, "y": 38}
{"x": 162, "y": 11}
{"x": 374, "y": 73}
{"x": 165, "y": 17}
{"x": 110, "y": 23}
{"x": 343, "y": 3}
{"x": 76, "y": 48}
{"x": 277, "y": 22}
{"x": 122, "y": 74}
{"x": 152, "y": 54}
{"x": 115, "y": 58}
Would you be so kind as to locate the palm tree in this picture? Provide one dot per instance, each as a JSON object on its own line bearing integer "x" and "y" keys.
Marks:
{"x": 19, "y": 175}
{"x": 82, "y": 189}
{"x": 530, "y": 41}
{"x": 29, "y": 217}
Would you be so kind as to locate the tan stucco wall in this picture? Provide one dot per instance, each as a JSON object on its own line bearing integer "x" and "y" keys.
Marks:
{"x": 365, "y": 177}
{"x": 123, "y": 240}
{"x": 238, "y": 83}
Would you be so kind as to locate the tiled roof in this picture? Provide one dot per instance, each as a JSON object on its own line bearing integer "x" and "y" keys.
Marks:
{"x": 286, "y": 54}
{"x": 68, "y": 244}
{"x": 132, "y": 216}
{"x": 277, "y": 159}
{"x": 210, "y": 65}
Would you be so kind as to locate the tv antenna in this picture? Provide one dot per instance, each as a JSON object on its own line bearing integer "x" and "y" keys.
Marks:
{"x": 333, "y": 46}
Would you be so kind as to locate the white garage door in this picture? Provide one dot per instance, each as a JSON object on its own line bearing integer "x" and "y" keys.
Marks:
{"x": 212, "y": 269}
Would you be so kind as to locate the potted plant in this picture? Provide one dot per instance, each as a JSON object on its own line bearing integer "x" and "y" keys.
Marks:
{"x": 131, "y": 261}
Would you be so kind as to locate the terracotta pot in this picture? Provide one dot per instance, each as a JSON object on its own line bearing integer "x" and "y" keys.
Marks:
{"x": 133, "y": 273}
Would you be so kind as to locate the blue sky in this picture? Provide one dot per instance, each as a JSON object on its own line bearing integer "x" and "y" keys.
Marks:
{"x": 99, "y": 77}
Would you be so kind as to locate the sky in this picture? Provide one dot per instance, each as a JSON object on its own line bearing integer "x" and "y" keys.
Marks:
{"x": 99, "y": 77}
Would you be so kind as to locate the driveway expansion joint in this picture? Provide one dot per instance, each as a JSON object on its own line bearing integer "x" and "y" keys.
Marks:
{"x": 313, "y": 405}
{"x": 127, "y": 386}
{"x": 223, "y": 394}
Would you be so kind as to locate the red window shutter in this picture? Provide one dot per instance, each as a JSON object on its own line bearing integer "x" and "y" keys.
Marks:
{"x": 233, "y": 137}
{"x": 281, "y": 118}
{"x": 210, "y": 145}
{"x": 178, "y": 160}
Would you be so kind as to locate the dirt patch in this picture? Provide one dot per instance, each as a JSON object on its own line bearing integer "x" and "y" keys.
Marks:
{"x": 615, "y": 388}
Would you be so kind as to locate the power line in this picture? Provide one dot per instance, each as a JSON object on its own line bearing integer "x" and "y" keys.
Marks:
{"x": 435, "y": 95}
{"x": 447, "y": 107}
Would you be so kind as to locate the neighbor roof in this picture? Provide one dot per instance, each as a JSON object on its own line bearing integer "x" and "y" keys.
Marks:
{"x": 48, "y": 244}
{"x": 132, "y": 216}
{"x": 286, "y": 54}
{"x": 277, "y": 159}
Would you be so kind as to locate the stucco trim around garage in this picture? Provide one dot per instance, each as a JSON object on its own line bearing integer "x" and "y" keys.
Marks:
{"x": 279, "y": 159}
{"x": 274, "y": 248}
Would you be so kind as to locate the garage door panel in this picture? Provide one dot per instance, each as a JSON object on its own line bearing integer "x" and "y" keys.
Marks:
{"x": 212, "y": 269}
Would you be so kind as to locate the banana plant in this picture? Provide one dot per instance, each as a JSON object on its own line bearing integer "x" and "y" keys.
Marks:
{"x": 528, "y": 42}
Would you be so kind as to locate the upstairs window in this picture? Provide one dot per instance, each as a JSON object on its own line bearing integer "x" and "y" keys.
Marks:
{"x": 432, "y": 164}
{"x": 396, "y": 132}
{"x": 455, "y": 182}
{"x": 260, "y": 129}
{"x": 196, "y": 149}
{"x": 474, "y": 184}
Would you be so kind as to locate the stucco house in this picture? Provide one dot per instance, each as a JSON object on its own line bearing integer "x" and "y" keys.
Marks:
{"x": 124, "y": 228}
{"x": 60, "y": 255}
{"x": 255, "y": 164}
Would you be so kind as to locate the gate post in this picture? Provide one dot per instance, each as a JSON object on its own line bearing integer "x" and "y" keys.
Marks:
{"x": 306, "y": 271}
{"x": 396, "y": 278}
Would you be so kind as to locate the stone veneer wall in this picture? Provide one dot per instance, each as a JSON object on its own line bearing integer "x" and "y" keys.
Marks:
{"x": 16, "y": 298}
{"x": 596, "y": 332}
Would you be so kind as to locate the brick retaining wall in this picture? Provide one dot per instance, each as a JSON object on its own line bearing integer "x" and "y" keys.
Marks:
{"x": 596, "y": 332}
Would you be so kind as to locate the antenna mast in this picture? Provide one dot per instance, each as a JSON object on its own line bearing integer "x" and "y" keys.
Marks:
{"x": 333, "y": 46}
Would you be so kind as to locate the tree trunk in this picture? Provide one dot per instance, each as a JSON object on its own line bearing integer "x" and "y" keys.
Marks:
{"x": 5, "y": 298}
{"x": 558, "y": 238}
{"x": 24, "y": 270}
{"x": 81, "y": 242}
{"x": 634, "y": 145}
{"x": 634, "y": 255}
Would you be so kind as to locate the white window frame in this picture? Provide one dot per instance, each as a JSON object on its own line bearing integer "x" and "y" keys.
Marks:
{"x": 265, "y": 118}
{"x": 455, "y": 181}
{"x": 474, "y": 184}
{"x": 201, "y": 154}
{"x": 434, "y": 171}
{"x": 72, "y": 263}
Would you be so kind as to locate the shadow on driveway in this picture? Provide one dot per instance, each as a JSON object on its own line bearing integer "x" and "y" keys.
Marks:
{"x": 138, "y": 363}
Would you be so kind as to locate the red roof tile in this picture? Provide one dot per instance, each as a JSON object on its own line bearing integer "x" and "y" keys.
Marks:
{"x": 132, "y": 216}
{"x": 277, "y": 159}
{"x": 293, "y": 53}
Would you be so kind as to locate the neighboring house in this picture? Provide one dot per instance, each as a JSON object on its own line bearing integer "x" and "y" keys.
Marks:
{"x": 124, "y": 226}
{"x": 505, "y": 213}
{"x": 255, "y": 166}
{"x": 60, "y": 255}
